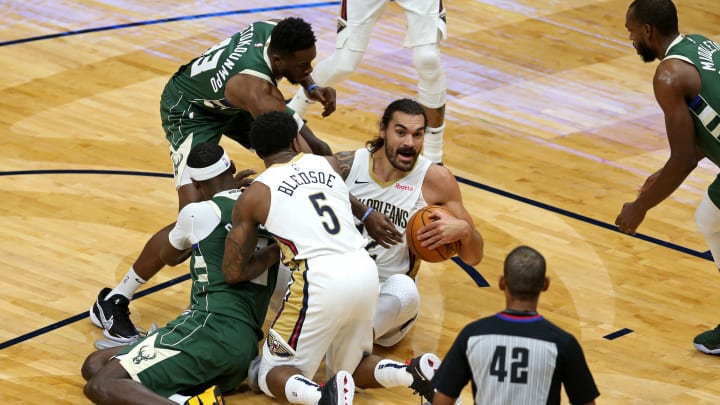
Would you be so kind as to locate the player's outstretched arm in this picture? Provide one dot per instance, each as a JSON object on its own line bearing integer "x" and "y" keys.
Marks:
{"x": 675, "y": 82}
{"x": 258, "y": 96}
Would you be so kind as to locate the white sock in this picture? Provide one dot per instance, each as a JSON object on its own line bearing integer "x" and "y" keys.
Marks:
{"x": 391, "y": 373}
{"x": 433, "y": 148}
{"x": 129, "y": 284}
{"x": 300, "y": 390}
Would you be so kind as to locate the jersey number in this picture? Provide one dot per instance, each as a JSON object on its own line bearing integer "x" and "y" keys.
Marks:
{"x": 322, "y": 210}
{"x": 518, "y": 365}
{"x": 209, "y": 59}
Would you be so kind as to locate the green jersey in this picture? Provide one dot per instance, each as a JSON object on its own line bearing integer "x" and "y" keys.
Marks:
{"x": 202, "y": 81}
{"x": 247, "y": 301}
{"x": 703, "y": 54}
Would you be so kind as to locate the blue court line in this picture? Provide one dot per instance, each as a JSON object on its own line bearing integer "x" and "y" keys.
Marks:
{"x": 617, "y": 334}
{"x": 85, "y": 314}
{"x": 703, "y": 255}
{"x": 167, "y": 20}
{"x": 470, "y": 270}
{"x": 117, "y": 172}
{"x": 474, "y": 274}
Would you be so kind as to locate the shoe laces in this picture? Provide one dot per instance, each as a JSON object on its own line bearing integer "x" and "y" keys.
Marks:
{"x": 121, "y": 312}
{"x": 420, "y": 385}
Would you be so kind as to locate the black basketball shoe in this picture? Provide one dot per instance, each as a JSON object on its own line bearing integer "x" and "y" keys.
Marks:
{"x": 422, "y": 369}
{"x": 113, "y": 316}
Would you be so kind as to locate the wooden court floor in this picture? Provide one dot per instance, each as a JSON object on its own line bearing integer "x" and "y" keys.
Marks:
{"x": 551, "y": 127}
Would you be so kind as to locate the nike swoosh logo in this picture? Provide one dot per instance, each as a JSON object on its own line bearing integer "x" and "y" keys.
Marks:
{"x": 361, "y": 182}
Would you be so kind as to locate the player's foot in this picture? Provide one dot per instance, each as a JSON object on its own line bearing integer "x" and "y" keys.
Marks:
{"x": 113, "y": 315}
{"x": 422, "y": 369}
{"x": 338, "y": 390}
{"x": 254, "y": 375}
{"x": 211, "y": 396}
{"x": 709, "y": 341}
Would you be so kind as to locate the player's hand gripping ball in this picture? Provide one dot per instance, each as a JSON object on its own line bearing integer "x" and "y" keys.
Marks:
{"x": 419, "y": 219}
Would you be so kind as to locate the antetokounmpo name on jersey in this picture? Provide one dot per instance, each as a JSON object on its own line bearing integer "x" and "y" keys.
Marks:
{"x": 224, "y": 71}
{"x": 397, "y": 215}
{"x": 293, "y": 181}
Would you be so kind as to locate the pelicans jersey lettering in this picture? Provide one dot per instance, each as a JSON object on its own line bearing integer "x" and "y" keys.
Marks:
{"x": 398, "y": 200}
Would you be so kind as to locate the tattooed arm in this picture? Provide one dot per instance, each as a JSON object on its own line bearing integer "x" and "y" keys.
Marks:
{"x": 345, "y": 161}
{"x": 240, "y": 261}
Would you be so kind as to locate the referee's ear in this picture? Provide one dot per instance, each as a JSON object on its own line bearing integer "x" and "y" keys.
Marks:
{"x": 546, "y": 285}
{"x": 501, "y": 283}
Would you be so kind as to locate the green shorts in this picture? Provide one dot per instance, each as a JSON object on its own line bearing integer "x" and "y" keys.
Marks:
{"x": 187, "y": 124}
{"x": 191, "y": 353}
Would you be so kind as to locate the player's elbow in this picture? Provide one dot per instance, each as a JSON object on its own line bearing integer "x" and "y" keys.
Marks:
{"x": 684, "y": 164}
{"x": 472, "y": 253}
{"x": 473, "y": 259}
{"x": 690, "y": 164}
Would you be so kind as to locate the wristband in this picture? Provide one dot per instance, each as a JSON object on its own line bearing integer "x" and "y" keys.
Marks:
{"x": 367, "y": 214}
{"x": 312, "y": 87}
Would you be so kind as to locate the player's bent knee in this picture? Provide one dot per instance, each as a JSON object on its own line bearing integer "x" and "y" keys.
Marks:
{"x": 93, "y": 363}
{"x": 404, "y": 289}
{"x": 427, "y": 60}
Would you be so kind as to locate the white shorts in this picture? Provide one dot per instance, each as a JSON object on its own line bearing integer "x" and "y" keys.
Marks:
{"x": 329, "y": 311}
{"x": 425, "y": 21}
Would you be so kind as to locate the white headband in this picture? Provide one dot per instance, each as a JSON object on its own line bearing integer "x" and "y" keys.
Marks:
{"x": 205, "y": 173}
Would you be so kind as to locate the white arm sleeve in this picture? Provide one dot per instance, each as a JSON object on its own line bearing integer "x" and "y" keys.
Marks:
{"x": 194, "y": 223}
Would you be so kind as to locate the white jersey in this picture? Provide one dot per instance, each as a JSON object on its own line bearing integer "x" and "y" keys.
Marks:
{"x": 398, "y": 200}
{"x": 310, "y": 212}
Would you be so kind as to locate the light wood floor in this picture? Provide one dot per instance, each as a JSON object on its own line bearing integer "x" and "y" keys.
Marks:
{"x": 551, "y": 126}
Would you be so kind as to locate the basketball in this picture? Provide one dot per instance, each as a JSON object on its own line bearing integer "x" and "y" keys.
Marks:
{"x": 419, "y": 219}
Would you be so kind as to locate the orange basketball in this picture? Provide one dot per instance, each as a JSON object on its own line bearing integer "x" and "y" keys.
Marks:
{"x": 419, "y": 219}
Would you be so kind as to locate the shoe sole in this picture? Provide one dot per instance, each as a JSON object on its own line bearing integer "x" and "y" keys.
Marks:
{"x": 426, "y": 368}
{"x": 123, "y": 340}
{"x": 705, "y": 349}
{"x": 97, "y": 322}
{"x": 345, "y": 388}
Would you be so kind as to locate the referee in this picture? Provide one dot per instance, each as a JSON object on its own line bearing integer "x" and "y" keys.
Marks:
{"x": 516, "y": 356}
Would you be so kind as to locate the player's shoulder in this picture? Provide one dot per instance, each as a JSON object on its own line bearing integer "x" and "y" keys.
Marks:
{"x": 199, "y": 211}
{"x": 439, "y": 178}
{"x": 439, "y": 171}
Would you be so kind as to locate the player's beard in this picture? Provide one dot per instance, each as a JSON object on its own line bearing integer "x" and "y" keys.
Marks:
{"x": 646, "y": 53}
{"x": 392, "y": 157}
